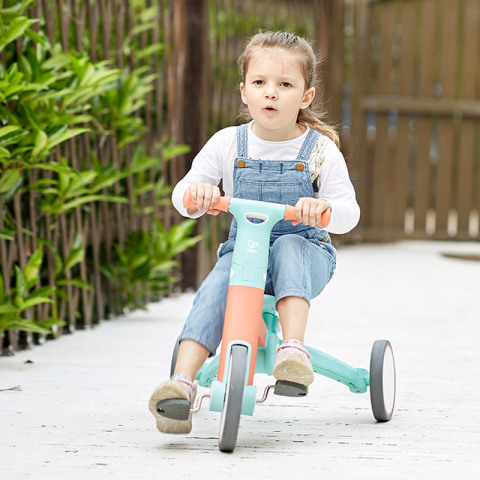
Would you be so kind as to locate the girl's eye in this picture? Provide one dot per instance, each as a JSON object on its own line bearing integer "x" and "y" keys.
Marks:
{"x": 258, "y": 82}
{"x": 286, "y": 84}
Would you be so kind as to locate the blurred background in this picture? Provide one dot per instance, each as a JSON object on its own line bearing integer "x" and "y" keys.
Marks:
{"x": 104, "y": 104}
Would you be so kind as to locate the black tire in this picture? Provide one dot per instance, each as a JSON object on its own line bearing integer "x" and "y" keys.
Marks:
{"x": 174, "y": 357}
{"x": 382, "y": 380}
{"x": 232, "y": 408}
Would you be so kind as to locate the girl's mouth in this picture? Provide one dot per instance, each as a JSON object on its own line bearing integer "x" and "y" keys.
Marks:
{"x": 270, "y": 109}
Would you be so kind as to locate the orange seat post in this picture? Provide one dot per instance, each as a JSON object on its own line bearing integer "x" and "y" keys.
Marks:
{"x": 243, "y": 319}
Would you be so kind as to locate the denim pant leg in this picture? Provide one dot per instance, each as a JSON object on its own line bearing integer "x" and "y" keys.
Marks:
{"x": 298, "y": 268}
{"x": 204, "y": 324}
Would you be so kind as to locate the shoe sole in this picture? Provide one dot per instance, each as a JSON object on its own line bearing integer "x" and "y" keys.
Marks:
{"x": 292, "y": 370}
{"x": 290, "y": 389}
{"x": 169, "y": 390}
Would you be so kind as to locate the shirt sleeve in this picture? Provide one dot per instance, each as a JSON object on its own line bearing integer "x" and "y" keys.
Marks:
{"x": 337, "y": 189}
{"x": 207, "y": 167}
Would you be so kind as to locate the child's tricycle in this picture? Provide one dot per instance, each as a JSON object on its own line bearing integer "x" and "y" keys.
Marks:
{"x": 250, "y": 335}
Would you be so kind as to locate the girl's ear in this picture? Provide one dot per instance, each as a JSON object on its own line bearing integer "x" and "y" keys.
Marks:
{"x": 242, "y": 93}
{"x": 308, "y": 97}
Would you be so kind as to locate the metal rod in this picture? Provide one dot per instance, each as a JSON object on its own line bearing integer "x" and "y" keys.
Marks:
{"x": 198, "y": 403}
{"x": 265, "y": 393}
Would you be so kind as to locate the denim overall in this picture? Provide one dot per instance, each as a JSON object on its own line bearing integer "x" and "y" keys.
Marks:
{"x": 302, "y": 258}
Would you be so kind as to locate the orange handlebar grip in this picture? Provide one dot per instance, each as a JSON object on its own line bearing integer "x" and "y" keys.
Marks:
{"x": 223, "y": 203}
{"x": 326, "y": 216}
{"x": 290, "y": 215}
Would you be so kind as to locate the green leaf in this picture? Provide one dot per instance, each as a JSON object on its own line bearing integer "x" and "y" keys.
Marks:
{"x": 56, "y": 62}
{"x": 35, "y": 301}
{"x": 143, "y": 27}
{"x": 32, "y": 267}
{"x": 35, "y": 260}
{"x": 8, "y": 180}
{"x": 77, "y": 241}
{"x": 174, "y": 151}
{"x": 20, "y": 282}
{"x": 55, "y": 167}
{"x": 149, "y": 51}
{"x": 19, "y": 323}
{"x": 41, "y": 143}
{"x": 89, "y": 199}
{"x": 75, "y": 255}
{"x": 73, "y": 132}
{"x": 4, "y": 153}
{"x": 17, "y": 27}
{"x": 8, "y": 129}
{"x": 41, "y": 292}
{"x": 7, "y": 234}
{"x": 8, "y": 308}
{"x": 32, "y": 35}
{"x": 53, "y": 322}
{"x": 25, "y": 67}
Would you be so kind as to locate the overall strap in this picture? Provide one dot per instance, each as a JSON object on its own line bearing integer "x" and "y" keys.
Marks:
{"x": 242, "y": 141}
{"x": 308, "y": 144}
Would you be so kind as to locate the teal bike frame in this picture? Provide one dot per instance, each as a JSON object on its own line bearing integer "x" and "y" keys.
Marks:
{"x": 249, "y": 268}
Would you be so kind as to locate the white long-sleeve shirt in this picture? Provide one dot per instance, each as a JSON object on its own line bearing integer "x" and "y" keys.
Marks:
{"x": 215, "y": 162}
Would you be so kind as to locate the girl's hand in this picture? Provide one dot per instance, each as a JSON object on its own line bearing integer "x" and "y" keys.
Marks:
{"x": 205, "y": 196}
{"x": 309, "y": 210}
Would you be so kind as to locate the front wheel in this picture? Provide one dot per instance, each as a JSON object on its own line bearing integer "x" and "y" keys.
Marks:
{"x": 232, "y": 408}
{"x": 382, "y": 380}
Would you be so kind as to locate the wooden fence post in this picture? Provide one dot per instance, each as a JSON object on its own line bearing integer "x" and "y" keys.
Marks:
{"x": 329, "y": 20}
{"x": 190, "y": 19}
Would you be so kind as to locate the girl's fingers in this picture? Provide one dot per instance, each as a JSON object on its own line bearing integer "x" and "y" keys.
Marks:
{"x": 204, "y": 195}
{"x": 318, "y": 214}
{"x": 309, "y": 211}
{"x": 213, "y": 212}
{"x": 193, "y": 192}
{"x": 200, "y": 196}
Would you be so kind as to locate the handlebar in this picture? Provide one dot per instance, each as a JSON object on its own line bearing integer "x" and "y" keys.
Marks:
{"x": 223, "y": 205}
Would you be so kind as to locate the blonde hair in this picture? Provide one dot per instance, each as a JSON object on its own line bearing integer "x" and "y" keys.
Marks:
{"x": 308, "y": 61}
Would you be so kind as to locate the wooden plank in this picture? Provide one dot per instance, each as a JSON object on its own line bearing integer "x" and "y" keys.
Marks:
{"x": 380, "y": 194}
{"x": 79, "y": 23}
{"x": 360, "y": 87}
{"x": 405, "y": 88}
{"x": 49, "y": 12}
{"x": 106, "y": 22}
{"x": 335, "y": 66}
{"x": 425, "y": 125}
{"x": 476, "y": 172}
{"x": 465, "y": 194}
{"x": 425, "y": 106}
{"x": 64, "y": 15}
{"x": 446, "y": 132}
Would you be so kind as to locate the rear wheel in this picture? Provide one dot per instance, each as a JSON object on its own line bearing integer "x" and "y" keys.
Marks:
{"x": 232, "y": 408}
{"x": 174, "y": 357}
{"x": 382, "y": 380}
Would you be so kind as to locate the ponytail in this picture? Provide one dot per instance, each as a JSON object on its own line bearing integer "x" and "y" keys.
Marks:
{"x": 313, "y": 120}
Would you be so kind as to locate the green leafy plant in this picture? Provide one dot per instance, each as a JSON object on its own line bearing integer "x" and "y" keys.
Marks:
{"x": 146, "y": 261}
{"x": 51, "y": 103}
{"x": 15, "y": 302}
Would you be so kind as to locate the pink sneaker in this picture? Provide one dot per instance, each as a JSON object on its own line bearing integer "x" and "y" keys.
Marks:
{"x": 170, "y": 404}
{"x": 292, "y": 363}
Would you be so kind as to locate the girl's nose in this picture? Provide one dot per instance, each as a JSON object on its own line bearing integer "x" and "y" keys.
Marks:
{"x": 270, "y": 92}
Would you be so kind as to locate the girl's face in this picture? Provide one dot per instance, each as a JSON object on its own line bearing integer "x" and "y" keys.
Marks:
{"x": 274, "y": 92}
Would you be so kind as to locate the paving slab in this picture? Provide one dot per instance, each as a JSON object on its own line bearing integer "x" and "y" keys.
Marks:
{"x": 80, "y": 410}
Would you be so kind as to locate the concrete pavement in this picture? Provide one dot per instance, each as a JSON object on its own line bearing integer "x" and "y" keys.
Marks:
{"x": 81, "y": 407}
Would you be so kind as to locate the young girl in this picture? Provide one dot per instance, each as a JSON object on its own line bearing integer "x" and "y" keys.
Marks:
{"x": 285, "y": 154}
